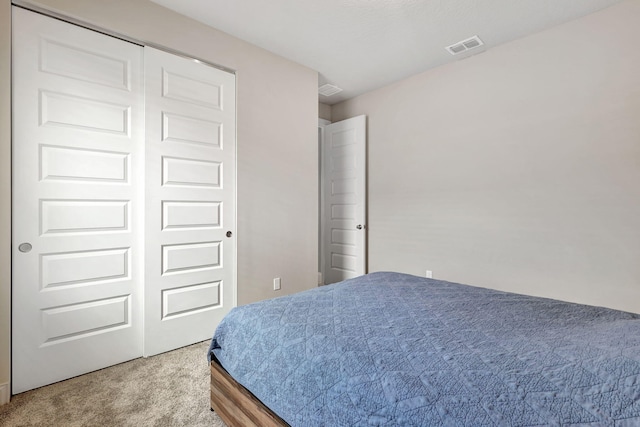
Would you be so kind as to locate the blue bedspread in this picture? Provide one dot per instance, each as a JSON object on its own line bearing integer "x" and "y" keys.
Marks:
{"x": 393, "y": 349}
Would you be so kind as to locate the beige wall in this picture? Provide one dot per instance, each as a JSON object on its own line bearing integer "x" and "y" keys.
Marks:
{"x": 516, "y": 169}
{"x": 324, "y": 111}
{"x": 277, "y": 161}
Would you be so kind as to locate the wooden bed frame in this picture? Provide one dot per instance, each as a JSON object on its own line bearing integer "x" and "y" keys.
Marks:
{"x": 236, "y": 405}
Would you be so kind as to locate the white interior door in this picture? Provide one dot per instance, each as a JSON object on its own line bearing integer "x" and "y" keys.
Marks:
{"x": 344, "y": 186}
{"x": 77, "y": 152}
{"x": 190, "y": 200}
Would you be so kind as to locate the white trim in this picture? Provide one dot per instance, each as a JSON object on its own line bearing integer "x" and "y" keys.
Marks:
{"x": 235, "y": 200}
{"x": 321, "y": 124}
{"x": 5, "y": 394}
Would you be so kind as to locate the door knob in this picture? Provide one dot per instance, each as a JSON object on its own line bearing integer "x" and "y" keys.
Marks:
{"x": 359, "y": 227}
{"x": 229, "y": 234}
{"x": 25, "y": 247}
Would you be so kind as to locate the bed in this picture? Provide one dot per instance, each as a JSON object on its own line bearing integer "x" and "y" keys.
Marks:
{"x": 392, "y": 349}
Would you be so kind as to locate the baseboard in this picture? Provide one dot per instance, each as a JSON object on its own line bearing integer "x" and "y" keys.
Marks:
{"x": 5, "y": 394}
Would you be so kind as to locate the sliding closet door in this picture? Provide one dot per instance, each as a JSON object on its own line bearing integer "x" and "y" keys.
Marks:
{"x": 77, "y": 156}
{"x": 190, "y": 200}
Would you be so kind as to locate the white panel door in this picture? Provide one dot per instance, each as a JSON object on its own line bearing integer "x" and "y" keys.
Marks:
{"x": 190, "y": 200}
{"x": 77, "y": 193}
{"x": 344, "y": 186}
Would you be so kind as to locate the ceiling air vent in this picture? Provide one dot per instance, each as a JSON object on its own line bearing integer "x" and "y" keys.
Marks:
{"x": 328, "y": 90}
{"x": 464, "y": 45}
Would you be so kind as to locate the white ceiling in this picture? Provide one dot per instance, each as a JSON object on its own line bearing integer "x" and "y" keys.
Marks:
{"x": 361, "y": 45}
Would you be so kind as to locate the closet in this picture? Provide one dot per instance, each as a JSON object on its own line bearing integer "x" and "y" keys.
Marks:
{"x": 123, "y": 200}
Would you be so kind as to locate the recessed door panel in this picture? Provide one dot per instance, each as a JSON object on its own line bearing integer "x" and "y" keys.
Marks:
{"x": 344, "y": 237}
{"x": 180, "y": 172}
{"x": 73, "y": 61}
{"x": 191, "y": 130}
{"x": 343, "y": 186}
{"x": 63, "y": 109}
{"x": 178, "y": 215}
{"x": 192, "y": 87}
{"x": 186, "y": 300}
{"x": 82, "y": 165}
{"x": 343, "y": 137}
{"x": 63, "y": 270}
{"x": 346, "y": 263}
{"x": 191, "y": 256}
{"x": 343, "y": 212}
{"x": 83, "y": 216}
{"x": 76, "y": 263}
{"x": 76, "y": 321}
{"x": 343, "y": 163}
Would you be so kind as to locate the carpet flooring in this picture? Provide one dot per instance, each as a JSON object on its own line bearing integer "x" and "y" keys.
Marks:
{"x": 170, "y": 389}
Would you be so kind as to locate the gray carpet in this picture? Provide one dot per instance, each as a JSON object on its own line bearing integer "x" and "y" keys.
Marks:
{"x": 171, "y": 389}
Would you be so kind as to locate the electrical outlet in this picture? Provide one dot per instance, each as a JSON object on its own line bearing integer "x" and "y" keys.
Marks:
{"x": 276, "y": 284}
{"x": 429, "y": 274}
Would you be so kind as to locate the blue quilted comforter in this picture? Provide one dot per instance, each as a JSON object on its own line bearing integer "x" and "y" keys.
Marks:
{"x": 391, "y": 349}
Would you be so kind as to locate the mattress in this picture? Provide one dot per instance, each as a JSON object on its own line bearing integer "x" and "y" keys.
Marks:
{"x": 393, "y": 349}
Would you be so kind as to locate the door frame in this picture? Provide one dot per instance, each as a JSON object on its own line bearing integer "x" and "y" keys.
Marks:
{"x": 321, "y": 274}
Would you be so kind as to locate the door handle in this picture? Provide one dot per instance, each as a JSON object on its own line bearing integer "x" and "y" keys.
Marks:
{"x": 360, "y": 226}
{"x": 25, "y": 247}
{"x": 229, "y": 234}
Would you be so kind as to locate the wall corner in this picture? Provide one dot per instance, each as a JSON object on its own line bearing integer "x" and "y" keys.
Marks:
{"x": 324, "y": 111}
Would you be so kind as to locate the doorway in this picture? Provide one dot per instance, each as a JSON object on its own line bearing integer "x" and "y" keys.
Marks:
{"x": 342, "y": 200}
